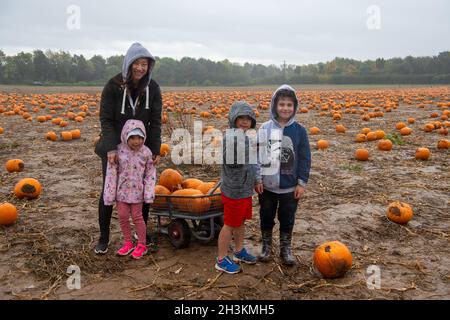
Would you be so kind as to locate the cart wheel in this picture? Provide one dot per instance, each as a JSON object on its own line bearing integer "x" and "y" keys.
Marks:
{"x": 179, "y": 233}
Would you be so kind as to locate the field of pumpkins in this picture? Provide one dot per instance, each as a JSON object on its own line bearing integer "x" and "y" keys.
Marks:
{"x": 378, "y": 195}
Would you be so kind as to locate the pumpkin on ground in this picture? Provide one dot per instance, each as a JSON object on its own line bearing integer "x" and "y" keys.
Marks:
{"x": 164, "y": 150}
{"x": 362, "y": 154}
{"x": 399, "y": 212}
{"x": 51, "y": 135}
{"x": 28, "y": 188}
{"x": 443, "y": 144}
{"x": 422, "y": 153}
{"x": 385, "y": 145}
{"x": 15, "y": 165}
{"x": 332, "y": 259}
{"x": 322, "y": 144}
{"x": 8, "y": 214}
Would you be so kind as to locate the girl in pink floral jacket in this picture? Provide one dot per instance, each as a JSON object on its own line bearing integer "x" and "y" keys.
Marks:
{"x": 130, "y": 182}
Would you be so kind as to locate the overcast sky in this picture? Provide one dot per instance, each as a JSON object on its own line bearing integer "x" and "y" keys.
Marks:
{"x": 256, "y": 31}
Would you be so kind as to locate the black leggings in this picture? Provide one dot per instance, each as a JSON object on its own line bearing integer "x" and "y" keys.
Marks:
{"x": 283, "y": 205}
{"x": 105, "y": 212}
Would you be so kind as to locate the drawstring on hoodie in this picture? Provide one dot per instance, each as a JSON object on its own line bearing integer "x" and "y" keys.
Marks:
{"x": 134, "y": 104}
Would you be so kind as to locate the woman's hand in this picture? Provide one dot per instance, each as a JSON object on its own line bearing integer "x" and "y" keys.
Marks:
{"x": 156, "y": 159}
{"x": 299, "y": 191}
{"x": 112, "y": 157}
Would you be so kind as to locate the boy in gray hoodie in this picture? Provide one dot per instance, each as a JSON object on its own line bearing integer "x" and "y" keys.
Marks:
{"x": 239, "y": 178}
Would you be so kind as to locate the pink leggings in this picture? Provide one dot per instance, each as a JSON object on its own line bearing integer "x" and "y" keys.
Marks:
{"x": 124, "y": 219}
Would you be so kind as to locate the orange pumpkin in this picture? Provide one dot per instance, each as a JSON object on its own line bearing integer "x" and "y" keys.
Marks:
{"x": 380, "y": 134}
{"x": 400, "y": 125}
{"x": 372, "y": 136}
{"x": 171, "y": 179}
{"x": 191, "y": 183}
{"x": 195, "y": 204}
{"x": 164, "y": 150}
{"x": 160, "y": 203}
{"x": 365, "y": 130}
{"x": 322, "y": 144}
{"x": 405, "y": 131}
{"x": 314, "y": 130}
{"x": 76, "y": 134}
{"x": 360, "y": 137}
{"x": 399, "y": 212}
{"x": 332, "y": 259}
{"x": 340, "y": 128}
{"x": 385, "y": 145}
{"x": 2, "y": 130}
{"x": 51, "y": 136}
{"x": 204, "y": 187}
{"x": 422, "y": 153}
{"x": 362, "y": 154}
{"x": 443, "y": 144}
{"x": 66, "y": 135}
{"x": 14, "y": 165}
{"x": 8, "y": 214}
{"x": 28, "y": 188}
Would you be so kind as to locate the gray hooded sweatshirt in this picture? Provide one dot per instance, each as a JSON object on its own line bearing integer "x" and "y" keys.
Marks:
{"x": 238, "y": 177}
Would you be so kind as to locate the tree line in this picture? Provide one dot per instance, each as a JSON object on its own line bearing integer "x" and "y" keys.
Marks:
{"x": 61, "y": 67}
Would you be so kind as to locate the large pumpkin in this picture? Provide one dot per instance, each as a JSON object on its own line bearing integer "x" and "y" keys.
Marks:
{"x": 194, "y": 205}
{"x": 160, "y": 203}
{"x": 28, "y": 188}
{"x": 14, "y": 165}
{"x": 332, "y": 259}
{"x": 191, "y": 183}
{"x": 422, "y": 153}
{"x": 204, "y": 187}
{"x": 362, "y": 154}
{"x": 8, "y": 214}
{"x": 171, "y": 179}
{"x": 399, "y": 212}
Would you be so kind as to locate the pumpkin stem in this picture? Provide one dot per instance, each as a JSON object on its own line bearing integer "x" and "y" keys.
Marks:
{"x": 396, "y": 211}
{"x": 327, "y": 249}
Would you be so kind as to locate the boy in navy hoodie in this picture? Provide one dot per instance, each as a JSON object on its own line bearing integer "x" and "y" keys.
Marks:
{"x": 286, "y": 176}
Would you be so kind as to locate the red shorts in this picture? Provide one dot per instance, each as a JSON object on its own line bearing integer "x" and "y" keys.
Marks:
{"x": 236, "y": 211}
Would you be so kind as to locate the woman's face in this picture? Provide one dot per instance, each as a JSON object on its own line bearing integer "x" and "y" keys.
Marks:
{"x": 139, "y": 69}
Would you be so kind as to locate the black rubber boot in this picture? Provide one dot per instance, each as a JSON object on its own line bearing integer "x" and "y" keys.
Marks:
{"x": 102, "y": 244}
{"x": 286, "y": 249}
{"x": 266, "y": 250}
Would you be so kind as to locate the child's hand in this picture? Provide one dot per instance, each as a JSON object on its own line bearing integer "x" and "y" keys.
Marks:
{"x": 259, "y": 188}
{"x": 299, "y": 191}
{"x": 156, "y": 159}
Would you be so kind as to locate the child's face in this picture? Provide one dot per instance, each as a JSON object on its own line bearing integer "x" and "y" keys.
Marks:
{"x": 243, "y": 122}
{"x": 135, "y": 142}
{"x": 285, "y": 108}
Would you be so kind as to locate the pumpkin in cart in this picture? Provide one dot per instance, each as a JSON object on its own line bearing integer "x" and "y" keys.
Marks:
{"x": 195, "y": 204}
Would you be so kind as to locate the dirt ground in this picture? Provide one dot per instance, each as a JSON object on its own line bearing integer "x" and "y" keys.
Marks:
{"x": 346, "y": 200}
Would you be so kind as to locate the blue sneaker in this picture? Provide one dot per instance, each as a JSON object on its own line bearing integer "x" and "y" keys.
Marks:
{"x": 244, "y": 256}
{"x": 228, "y": 266}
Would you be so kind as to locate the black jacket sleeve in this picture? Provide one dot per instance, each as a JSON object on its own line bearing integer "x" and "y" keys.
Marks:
{"x": 154, "y": 131}
{"x": 107, "y": 119}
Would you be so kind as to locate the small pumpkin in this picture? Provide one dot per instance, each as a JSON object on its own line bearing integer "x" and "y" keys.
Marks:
{"x": 362, "y": 154}
{"x": 340, "y": 128}
{"x": 322, "y": 144}
{"x": 314, "y": 130}
{"x": 372, "y": 136}
{"x": 8, "y": 214}
{"x": 385, "y": 145}
{"x": 380, "y": 134}
{"x": 405, "y": 131}
{"x": 443, "y": 144}
{"x": 399, "y": 212}
{"x": 422, "y": 153}
{"x": 365, "y": 130}
{"x": 164, "y": 150}
{"x": 400, "y": 125}
{"x": 28, "y": 188}
{"x": 2, "y": 130}
{"x": 171, "y": 179}
{"x": 332, "y": 259}
{"x": 66, "y": 135}
{"x": 15, "y": 165}
{"x": 51, "y": 135}
{"x": 76, "y": 134}
{"x": 360, "y": 137}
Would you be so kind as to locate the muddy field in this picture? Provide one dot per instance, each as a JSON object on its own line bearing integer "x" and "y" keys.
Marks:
{"x": 346, "y": 200}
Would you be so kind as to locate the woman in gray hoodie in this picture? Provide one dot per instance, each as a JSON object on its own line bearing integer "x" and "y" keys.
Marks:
{"x": 132, "y": 94}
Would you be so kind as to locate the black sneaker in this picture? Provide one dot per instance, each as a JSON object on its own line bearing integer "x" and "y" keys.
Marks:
{"x": 101, "y": 247}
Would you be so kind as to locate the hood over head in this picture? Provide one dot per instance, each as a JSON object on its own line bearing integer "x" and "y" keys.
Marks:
{"x": 137, "y": 51}
{"x": 273, "y": 110}
{"x": 129, "y": 126}
{"x": 241, "y": 108}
